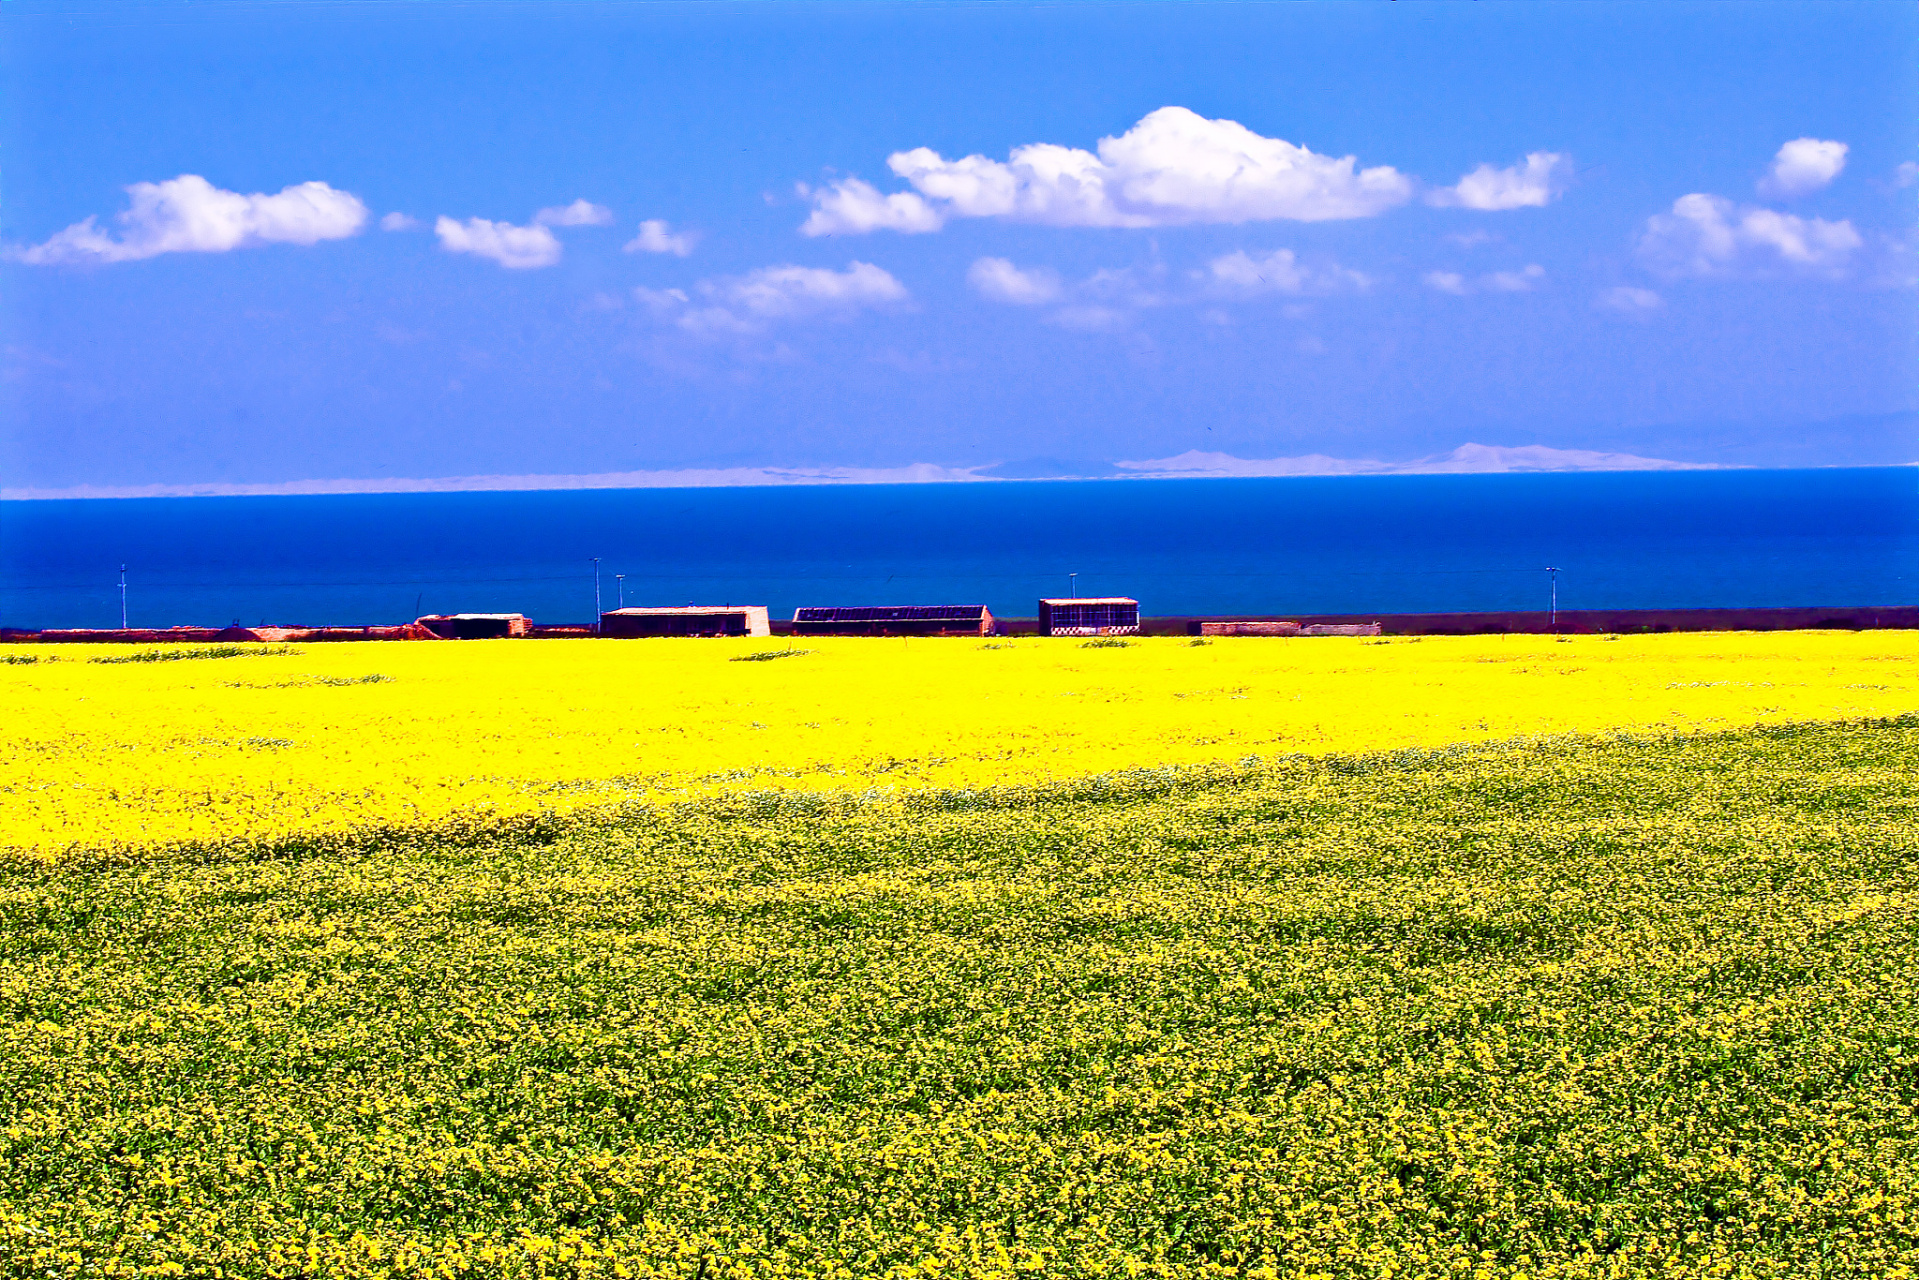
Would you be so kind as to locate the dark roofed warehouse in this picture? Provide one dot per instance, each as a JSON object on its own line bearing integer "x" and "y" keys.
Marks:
{"x": 893, "y": 620}
{"x": 475, "y": 626}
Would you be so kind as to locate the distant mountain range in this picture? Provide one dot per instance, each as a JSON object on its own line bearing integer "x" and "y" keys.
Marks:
{"x": 1881, "y": 440}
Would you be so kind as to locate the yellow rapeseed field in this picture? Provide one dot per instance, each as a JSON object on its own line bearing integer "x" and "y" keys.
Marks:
{"x": 105, "y": 753}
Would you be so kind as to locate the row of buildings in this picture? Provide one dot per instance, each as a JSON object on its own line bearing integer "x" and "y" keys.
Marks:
{"x": 1074, "y": 616}
{"x": 1079, "y": 616}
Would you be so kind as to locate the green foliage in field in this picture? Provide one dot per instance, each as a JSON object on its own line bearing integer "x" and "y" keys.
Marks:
{"x": 1601, "y": 1009}
{"x": 202, "y": 652}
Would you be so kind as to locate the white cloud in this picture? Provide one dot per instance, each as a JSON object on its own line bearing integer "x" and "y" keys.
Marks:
{"x": 1707, "y": 235}
{"x": 781, "y": 292}
{"x": 188, "y": 214}
{"x": 1090, "y": 318}
{"x": 852, "y": 207}
{"x": 1898, "y": 263}
{"x": 1000, "y": 280}
{"x": 1522, "y": 281}
{"x": 750, "y": 303}
{"x": 657, "y": 237}
{"x": 1531, "y": 184}
{"x": 661, "y": 301}
{"x": 1630, "y": 300}
{"x": 581, "y": 213}
{"x": 1906, "y": 175}
{"x": 397, "y": 221}
{"x": 1280, "y": 271}
{"x": 517, "y": 248}
{"x": 1803, "y": 166}
{"x": 1173, "y": 167}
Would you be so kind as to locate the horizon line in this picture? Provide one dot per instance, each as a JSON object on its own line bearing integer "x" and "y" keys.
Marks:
{"x": 1468, "y": 459}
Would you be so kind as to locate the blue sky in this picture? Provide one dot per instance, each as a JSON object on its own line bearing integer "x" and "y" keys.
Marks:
{"x": 821, "y": 238}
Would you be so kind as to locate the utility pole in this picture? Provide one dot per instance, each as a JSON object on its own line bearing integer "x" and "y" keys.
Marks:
{"x": 620, "y": 579}
{"x": 123, "y": 597}
{"x": 596, "y": 595}
{"x": 1072, "y": 581}
{"x": 1555, "y": 613}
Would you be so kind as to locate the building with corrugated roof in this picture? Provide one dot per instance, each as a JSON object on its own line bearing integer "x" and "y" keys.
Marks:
{"x": 687, "y": 620}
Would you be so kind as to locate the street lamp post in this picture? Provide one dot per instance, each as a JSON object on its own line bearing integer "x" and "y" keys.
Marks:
{"x": 123, "y": 597}
{"x": 596, "y": 595}
{"x": 1555, "y": 606}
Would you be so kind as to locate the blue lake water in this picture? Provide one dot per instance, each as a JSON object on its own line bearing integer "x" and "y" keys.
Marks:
{"x": 1398, "y": 544}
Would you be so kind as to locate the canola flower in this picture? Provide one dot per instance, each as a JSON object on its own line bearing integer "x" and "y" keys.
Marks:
{"x": 1573, "y": 1010}
{"x": 104, "y": 754}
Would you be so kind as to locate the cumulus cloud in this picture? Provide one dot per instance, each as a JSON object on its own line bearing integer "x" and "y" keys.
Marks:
{"x": 657, "y": 237}
{"x": 1708, "y": 235}
{"x": 581, "y": 213}
{"x": 516, "y": 248}
{"x": 1173, "y": 167}
{"x": 1803, "y": 166}
{"x": 750, "y": 303}
{"x": 1524, "y": 280}
{"x": 1629, "y": 300}
{"x": 188, "y": 214}
{"x": 852, "y": 207}
{"x": 1000, "y": 280}
{"x": 1532, "y": 183}
{"x": 398, "y": 222}
{"x": 1280, "y": 271}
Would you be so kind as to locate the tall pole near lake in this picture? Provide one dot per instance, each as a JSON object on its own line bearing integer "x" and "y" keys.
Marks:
{"x": 596, "y": 595}
{"x": 1555, "y": 613}
{"x": 619, "y": 581}
{"x": 1072, "y": 582}
{"x": 123, "y": 597}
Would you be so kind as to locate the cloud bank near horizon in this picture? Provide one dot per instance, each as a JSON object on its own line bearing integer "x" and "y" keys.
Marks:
{"x": 1467, "y": 459}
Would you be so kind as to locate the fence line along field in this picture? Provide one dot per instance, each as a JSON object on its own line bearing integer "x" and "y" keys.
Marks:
{"x": 121, "y": 748}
